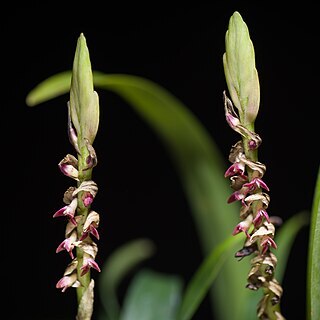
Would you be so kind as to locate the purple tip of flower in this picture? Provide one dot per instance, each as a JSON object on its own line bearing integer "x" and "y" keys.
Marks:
{"x": 91, "y": 230}
{"x": 95, "y": 232}
{"x": 64, "y": 283}
{"x": 240, "y": 228}
{"x": 256, "y": 183}
{"x": 66, "y": 245}
{"x": 266, "y": 243}
{"x": 60, "y": 212}
{"x": 88, "y": 199}
{"x": 259, "y": 216}
{"x": 252, "y": 145}
{"x": 89, "y": 263}
{"x": 236, "y": 196}
{"x": 69, "y": 170}
{"x": 235, "y": 169}
{"x": 232, "y": 121}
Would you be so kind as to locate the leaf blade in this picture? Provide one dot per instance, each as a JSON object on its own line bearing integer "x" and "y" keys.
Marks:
{"x": 203, "y": 278}
{"x": 285, "y": 238}
{"x": 313, "y": 273}
{"x": 152, "y": 295}
{"x": 116, "y": 267}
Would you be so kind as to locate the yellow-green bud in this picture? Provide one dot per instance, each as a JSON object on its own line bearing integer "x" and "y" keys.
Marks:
{"x": 84, "y": 101}
{"x": 240, "y": 70}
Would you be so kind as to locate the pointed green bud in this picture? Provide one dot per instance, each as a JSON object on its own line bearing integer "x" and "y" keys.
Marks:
{"x": 240, "y": 70}
{"x": 84, "y": 101}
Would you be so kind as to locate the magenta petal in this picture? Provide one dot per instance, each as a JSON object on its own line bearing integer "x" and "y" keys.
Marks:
{"x": 95, "y": 232}
{"x": 66, "y": 245}
{"x": 88, "y": 199}
{"x": 89, "y": 263}
{"x": 85, "y": 269}
{"x": 84, "y": 235}
{"x": 262, "y": 184}
{"x": 64, "y": 283}
{"x": 95, "y": 265}
{"x": 60, "y": 212}
{"x": 236, "y": 196}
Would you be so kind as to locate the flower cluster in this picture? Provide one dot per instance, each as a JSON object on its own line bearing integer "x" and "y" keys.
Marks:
{"x": 246, "y": 177}
{"x": 82, "y": 222}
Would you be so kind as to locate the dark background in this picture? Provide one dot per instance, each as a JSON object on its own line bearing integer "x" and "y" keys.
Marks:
{"x": 179, "y": 47}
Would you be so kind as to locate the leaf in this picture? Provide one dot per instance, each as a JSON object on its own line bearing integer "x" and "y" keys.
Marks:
{"x": 313, "y": 275}
{"x": 117, "y": 266}
{"x": 152, "y": 295}
{"x": 49, "y": 88}
{"x": 200, "y": 166}
{"x": 285, "y": 237}
{"x": 203, "y": 278}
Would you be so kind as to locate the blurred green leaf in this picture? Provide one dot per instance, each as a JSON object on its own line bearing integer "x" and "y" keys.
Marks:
{"x": 285, "y": 237}
{"x": 152, "y": 296}
{"x": 49, "y": 88}
{"x": 203, "y": 278}
{"x": 200, "y": 166}
{"x": 123, "y": 260}
{"x": 313, "y": 278}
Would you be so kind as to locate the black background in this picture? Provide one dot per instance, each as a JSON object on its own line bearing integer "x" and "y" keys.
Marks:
{"x": 179, "y": 47}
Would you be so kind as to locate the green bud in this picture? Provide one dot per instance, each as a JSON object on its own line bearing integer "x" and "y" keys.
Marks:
{"x": 84, "y": 101}
{"x": 240, "y": 70}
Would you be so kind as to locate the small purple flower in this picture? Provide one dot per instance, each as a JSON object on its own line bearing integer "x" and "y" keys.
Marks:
{"x": 68, "y": 211}
{"x": 67, "y": 281}
{"x": 87, "y": 199}
{"x": 266, "y": 243}
{"x": 259, "y": 216}
{"x": 238, "y": 195}
{"x": 243, "y": 226}
{"x": 87, "y": 264}
{"x": 68, "y": 166}
{"x": 236, "y": 168}
{"x": 68, "y": 244}
{"x": 91, "y": 224}
{"x": 91, "y": 229}
{"x": 256, "y": 183}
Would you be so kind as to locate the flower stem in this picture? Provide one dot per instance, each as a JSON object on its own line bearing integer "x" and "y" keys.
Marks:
{"x": 84, "y": 175}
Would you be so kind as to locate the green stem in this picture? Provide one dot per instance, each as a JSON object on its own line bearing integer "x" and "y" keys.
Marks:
{"x": 250, "y": 154}
{"x": 84, "y": 175}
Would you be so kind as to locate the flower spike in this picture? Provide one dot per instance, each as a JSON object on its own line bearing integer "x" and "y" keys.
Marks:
{"x": 246, "y": 172}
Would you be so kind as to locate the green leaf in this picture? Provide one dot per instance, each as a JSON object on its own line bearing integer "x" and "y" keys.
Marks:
{"x": 152, "y": 296}
{"x": 123, "y": 260}
{"x": 203, "y": 278}
{"x": 313, "y": 278}
{"x": 49, "y": 88}
{"x": 200, "y": 166}
{"x": 285, "y": 237}
{"x": 240, "y": 70}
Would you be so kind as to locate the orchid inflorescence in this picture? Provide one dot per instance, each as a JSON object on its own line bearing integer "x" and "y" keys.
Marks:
{"x": 82, "y": 222}
{"x": 246, "y": 173}
{"x": 246, "y": 180}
